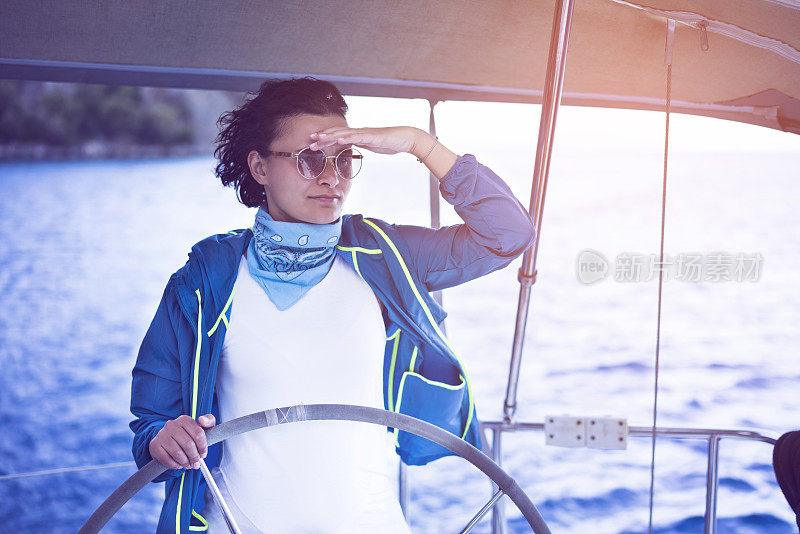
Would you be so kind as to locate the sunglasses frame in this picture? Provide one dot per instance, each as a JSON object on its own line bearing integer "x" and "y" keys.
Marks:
{"x": 357, "y": 155}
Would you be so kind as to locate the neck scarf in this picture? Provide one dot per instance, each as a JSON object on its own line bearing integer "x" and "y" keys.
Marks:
{"x": 288, "y": 259}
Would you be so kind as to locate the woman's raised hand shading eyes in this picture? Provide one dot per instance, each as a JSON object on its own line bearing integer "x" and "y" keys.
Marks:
{"x": 390, "y": 140}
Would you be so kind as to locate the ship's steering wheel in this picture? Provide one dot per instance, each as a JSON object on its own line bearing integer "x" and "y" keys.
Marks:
{"x": 333, "y": 412}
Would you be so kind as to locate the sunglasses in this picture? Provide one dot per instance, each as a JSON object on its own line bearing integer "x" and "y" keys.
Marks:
{"x": 311, "y": 163}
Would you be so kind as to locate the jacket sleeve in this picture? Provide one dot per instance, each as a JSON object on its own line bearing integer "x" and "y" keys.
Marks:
{"x": 496, "y": 229}
{"x": 156, "y": 387}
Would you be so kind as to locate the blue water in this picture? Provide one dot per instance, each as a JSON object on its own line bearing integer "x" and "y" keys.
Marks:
{"x": 88, "y": 248}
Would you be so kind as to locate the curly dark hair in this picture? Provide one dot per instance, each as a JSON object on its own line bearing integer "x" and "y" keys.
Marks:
{"x": 258, "y": 121}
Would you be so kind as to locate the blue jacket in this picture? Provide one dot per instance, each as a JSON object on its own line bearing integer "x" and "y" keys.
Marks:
{"x": 177, "y": 362}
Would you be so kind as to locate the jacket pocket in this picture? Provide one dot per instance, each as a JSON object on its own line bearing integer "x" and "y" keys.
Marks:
{"x": 435, "y": 402}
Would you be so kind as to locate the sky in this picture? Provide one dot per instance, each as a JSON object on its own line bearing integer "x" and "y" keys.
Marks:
{"x": 577, "y": 128}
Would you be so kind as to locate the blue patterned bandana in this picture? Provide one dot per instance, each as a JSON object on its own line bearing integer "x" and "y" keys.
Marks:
{"x": 287, "y": 259}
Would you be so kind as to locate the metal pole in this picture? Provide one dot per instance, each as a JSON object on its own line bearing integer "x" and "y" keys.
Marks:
{"x": 498, "y": 512}
{"x": 711, "y": 484}
{"x": 433, "y": 184}
{"x": 556, "y": 63}
{"x": 402, "y": 487}
{"x": 402, "y": 474}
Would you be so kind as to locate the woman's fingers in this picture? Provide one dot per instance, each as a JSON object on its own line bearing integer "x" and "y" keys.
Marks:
{"x": 334, "y": 135}
{"x": 319, "y": 145}
{"x": 182, "y": 442}
{"x": 207, "y": 421}
{"x": 166, "y": 459}
{"x": 193, "y": 442}
{"x": 176, "y": 452}
{"x": 334, "y": 130}
{"x": 342, "y": 140}
{"x": 322, "y": 140}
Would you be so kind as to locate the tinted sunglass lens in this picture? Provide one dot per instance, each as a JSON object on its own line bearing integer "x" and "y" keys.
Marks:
{"x": 348, "y": 163}
{"x": 311, "y": 163}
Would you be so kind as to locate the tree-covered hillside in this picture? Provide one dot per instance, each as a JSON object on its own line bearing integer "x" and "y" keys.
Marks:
{"x": 43, "y": 120}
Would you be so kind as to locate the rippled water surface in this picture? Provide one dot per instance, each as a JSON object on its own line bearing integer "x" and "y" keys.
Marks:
{"x": 88, "y": 247}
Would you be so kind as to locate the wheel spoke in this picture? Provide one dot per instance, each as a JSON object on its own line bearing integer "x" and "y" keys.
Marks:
{"x": 482, "y": 512}
{"x": 230, "y": 522}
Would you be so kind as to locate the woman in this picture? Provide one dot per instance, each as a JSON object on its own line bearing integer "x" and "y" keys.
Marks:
{"x": 319, "y": 296}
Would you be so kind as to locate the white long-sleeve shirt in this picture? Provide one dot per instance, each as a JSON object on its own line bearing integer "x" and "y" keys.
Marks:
{"x": 312, "y": 476}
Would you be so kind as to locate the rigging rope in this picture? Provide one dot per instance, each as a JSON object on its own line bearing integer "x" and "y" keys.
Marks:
{"x": 670, "y": 36}
{"x": 68, "y": 470}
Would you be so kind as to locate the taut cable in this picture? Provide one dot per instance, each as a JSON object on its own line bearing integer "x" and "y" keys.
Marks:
{"x": 670, "y": 37}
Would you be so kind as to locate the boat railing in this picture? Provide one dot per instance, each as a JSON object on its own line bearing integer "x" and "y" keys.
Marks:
{"x": 711, "y": 435}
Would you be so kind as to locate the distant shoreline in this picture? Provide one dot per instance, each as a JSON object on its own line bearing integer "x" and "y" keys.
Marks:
{"x": 25, "y": 152}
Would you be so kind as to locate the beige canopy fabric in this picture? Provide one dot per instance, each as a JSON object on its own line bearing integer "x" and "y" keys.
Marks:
{"x": 738, "y": 60}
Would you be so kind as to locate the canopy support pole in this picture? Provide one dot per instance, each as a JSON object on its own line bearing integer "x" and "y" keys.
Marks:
{"x": 402, "y": 475}
{"x": 434, "y": 193}
{"x": 402, "y": 489}
{"x": 556, "y": 63}
{"x": 498, "y": 511}
{"x": 712, "y": 482}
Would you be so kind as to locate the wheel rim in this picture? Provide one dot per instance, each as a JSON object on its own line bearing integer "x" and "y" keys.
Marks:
{"x": 330, "y": 412}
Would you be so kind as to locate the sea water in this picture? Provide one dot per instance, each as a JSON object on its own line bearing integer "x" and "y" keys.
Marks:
{"x": 88, "y": 247}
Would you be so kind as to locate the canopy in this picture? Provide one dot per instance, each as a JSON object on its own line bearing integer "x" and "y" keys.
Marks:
{"x": 735, "y": 60}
